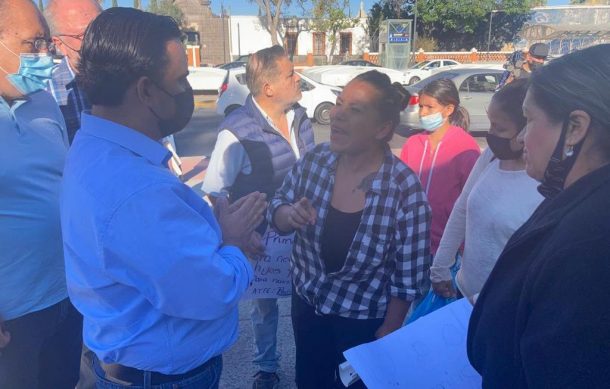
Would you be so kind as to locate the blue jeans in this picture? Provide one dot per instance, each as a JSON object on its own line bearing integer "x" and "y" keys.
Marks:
{"x": 265, "y": 316}
{"x": 207, "y": 379}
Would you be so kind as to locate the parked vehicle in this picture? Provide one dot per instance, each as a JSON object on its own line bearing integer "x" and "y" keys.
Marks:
{"x": 476, "y": 87}
{"x": 204, "y": 79}
{"x": 317, "y": 98}
{"x": 340, "y": 75}
{"x": 359, "y": 62}
{"x": 232, "y": 65}
{"x": 425, "y": 69}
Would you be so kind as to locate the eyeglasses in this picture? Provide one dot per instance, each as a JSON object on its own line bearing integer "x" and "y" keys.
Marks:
{"x": 41, "y": 44}
{"x": 77, "y": 37}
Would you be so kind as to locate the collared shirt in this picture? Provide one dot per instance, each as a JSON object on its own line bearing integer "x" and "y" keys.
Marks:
{"x": 34, "y": 145}
{"x": 229, "y": 157}
{"x": 145, "y": 262}
{"x": 71, "y": 99}
{"x": 390, "y": 253}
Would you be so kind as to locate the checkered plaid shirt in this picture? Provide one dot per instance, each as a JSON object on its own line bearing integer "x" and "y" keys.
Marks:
{"x": 390, "y": 253}
{"x": 71, "y": 100}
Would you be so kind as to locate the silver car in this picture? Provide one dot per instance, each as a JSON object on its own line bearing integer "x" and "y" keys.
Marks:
{"x": 476, "y": 87}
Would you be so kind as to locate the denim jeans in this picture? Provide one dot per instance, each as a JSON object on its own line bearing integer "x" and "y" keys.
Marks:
{"x": 44, "y": 351}
{"x": 265, "y": 316}
{"x": 207, "y": 379}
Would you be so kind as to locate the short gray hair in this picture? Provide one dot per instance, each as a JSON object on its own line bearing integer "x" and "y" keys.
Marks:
{"x": 262, "y": 67}
{"x": 50, "y": 10}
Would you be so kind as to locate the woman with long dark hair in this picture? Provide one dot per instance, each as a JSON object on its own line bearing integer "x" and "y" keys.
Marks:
{"x": 542, "y": 319}
{"x": 444, "y": 154}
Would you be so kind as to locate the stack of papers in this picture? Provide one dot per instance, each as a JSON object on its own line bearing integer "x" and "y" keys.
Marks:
{"x": 428, "y": 353}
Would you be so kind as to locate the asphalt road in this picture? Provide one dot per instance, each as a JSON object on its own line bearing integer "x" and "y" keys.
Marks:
{"x": 198, "y": 140}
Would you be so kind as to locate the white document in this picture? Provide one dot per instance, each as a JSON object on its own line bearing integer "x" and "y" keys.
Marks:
{"x": 428, "y": 353}
{"x": 272, "y": 278}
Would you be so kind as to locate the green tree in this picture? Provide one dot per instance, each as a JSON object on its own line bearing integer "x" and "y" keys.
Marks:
{"x": 167, "y": 8}
{"x": 329, "y": 17}
{"x": 137, "y": 4}
{"x": 463, "y": 24}
{"x": 115, "y": 3}
{"x": 387, "y": 9}
{"x": 40, "y": 5}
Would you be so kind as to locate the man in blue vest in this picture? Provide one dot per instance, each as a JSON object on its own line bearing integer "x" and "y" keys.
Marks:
{"x": 256, "y": 147}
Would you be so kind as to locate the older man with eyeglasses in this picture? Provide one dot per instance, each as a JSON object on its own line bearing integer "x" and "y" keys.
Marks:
{"x": 68, "y": 20}
{"x": 40, "y": 337}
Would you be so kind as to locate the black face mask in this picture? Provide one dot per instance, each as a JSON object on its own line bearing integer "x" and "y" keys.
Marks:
{"x": 501, "y": 148}
{"x": 558, "y": 168}
{"x": 185, "y": 105}
{"x": 535, "y": 65}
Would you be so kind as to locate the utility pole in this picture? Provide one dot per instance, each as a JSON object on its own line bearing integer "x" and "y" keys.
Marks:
{"x": 491, "y": 18}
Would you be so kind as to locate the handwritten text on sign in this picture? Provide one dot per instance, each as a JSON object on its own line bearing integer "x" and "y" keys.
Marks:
{"x": 272, "y": 278}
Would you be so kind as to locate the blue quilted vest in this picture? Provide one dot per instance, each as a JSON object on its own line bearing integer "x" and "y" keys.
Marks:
{"x": 270, "y": 154}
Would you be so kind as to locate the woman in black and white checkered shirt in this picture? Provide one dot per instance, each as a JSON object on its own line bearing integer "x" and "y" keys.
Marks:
{"x": 362, "y": 222}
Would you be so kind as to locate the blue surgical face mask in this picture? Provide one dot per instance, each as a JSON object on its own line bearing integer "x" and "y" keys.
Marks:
{"x": 432, "y": 122}
{"x": 34, "y": 71}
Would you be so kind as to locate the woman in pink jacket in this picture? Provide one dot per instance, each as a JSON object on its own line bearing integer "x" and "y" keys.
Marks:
{"x": 444, "y": 154}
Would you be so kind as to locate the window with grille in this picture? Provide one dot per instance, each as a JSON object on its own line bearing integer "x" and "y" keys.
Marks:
{"x": 345, "y": 45}
{"x": 319, "y": 43}
{"x": 291, "y": 43}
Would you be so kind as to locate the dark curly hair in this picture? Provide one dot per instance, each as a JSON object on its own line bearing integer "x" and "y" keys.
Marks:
{"x": 393, "y": 96}
{"x": 120, "y": 46}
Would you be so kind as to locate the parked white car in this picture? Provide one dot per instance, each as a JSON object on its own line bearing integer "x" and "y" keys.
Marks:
{"x": 425, "y": 69}
{"x": 340, "y": 75}
{"x": 206, "y": 78}
{"x": 317, "y": 98}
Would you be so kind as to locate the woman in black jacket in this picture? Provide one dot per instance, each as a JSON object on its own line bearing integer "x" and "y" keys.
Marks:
{"x": 542, "y": 319}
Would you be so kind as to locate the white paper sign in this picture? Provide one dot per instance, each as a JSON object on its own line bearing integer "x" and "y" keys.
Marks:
{"x": 429, "y": 353}
{"x": 272, "y": 278}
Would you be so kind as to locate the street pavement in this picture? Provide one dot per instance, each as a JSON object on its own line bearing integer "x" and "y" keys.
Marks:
{"x": 194, "y": 144}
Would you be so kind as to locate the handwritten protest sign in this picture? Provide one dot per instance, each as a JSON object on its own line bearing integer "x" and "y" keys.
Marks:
{"x": 429, "y": 353}
{"x": 272, "y": 278}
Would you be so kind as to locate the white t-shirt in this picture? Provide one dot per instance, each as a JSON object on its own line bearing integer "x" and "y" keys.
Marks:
{"x": 492, "y": 206}
{"x": 229, "y": 158}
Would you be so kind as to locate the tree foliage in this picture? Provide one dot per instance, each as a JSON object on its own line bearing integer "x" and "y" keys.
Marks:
{"x": 115, "y": 3}
{"x": 461, "y": 24}
{"x": 137, "y": 4}
{"x": 329, "y": 16}
{"x": 167, "y": 8}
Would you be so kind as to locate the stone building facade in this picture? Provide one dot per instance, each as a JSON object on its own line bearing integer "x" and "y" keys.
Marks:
{"x": 214, "y": 31}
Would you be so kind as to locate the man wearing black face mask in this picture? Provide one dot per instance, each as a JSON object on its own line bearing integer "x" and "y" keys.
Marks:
{"x": 534, "y": 58}
{"x": 156, "y": 275}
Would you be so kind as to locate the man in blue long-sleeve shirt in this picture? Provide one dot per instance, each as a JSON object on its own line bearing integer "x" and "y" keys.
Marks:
{"x": 154, "y": 274}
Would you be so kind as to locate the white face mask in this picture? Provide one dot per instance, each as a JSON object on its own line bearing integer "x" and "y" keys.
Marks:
{"x": 432, "y": 122}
